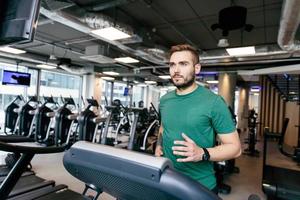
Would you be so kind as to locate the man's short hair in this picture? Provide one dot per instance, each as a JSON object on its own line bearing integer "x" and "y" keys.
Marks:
{"x": 185, "y": 47}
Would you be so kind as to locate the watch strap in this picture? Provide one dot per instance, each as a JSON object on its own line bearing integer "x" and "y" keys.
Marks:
{"x": 206, "y": 155}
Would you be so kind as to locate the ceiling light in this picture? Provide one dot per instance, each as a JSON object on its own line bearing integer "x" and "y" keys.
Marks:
{"x": 292, "y": 92}
{"x": 12, "y": 50}
{"x": 150, "y": 82}
{"x": 111, "y": 73}
{"x": 171, "y": 87}
{"x": 110, "y": 33}
{"x": 127, "y": 60}
{"x": 164, "y": 89}
{"x": 165, "y": 77}
{"x": 241, "y": 51}
{"x": 108, "y": 78}
{"x": 255, "y": 89}
{"x": 52, "y": 57}
{"x": 256, "y": 94}
{"x": 136, "y": 82}
{"x": 212, "y": 81}
{"x": 47, "y": 66}
{"x": 223, "y": 43}
{"x": 142, "y": 85}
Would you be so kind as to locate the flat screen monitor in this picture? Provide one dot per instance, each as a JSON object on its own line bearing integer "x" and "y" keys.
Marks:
{"x": 15, "y": 78}
{"x": 18, "y": 20}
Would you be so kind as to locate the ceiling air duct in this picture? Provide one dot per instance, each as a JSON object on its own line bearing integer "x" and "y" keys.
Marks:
{"x": 290, "y": 19}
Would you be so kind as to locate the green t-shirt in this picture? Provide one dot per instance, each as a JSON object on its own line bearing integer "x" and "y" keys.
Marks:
{"x": 199, "y": 114}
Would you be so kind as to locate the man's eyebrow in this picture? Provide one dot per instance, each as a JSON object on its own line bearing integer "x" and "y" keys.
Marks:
{"x": 169, "y": 63}
{"x": 183, "y": 61}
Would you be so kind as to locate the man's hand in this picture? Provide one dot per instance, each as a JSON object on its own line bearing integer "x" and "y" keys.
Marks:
{"x": 187, "y": 149}
{"x": 158, "y": 151}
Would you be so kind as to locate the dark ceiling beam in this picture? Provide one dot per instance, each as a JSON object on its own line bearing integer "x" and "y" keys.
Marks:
{"x": 170, "y": 24}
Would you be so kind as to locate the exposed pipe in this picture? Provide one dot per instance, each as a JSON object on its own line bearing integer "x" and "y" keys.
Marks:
{"x": 290, "y": 19}
{"x": 34, "y": 60}
{"x": 77, "y": 70}
{"x": 106, "y": 5}
{"x": 274, "y": 70}
{"x": 75, "y": 23}
{"x": 31, "y": 58}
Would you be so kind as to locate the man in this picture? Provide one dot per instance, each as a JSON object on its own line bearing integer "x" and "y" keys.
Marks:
{"x": 190, "y": 117}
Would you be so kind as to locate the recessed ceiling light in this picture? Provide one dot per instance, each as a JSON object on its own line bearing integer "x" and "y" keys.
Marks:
{"x": 212, "y": 81}
{"x": 12, "y": 50}
{"x": 127, "y": 60}
{"x": 255, "y": 89}
{"x": 108, "y": 78}
{"x": 164, "y": 89}
{"x": 241, "y": 51}
{"x": 111, "y": 73}
{"x": 46, "y": 66}
{"x": 165, "y": 77}
{"x": 111, "y": 33}
{"x": 172, "y": 87}
{"x": 150, "y": 82}
{"x": 142, "y": 85}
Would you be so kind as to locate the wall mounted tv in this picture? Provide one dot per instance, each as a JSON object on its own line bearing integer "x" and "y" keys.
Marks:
{"x": 15, "y": 78}
{"x": 18, "y": 20}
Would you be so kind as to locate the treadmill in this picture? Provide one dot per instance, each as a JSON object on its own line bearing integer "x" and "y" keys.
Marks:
{"x": 124, "y": 174}
{"x": 281, "y": 175}
{"x": 29, "y": 182}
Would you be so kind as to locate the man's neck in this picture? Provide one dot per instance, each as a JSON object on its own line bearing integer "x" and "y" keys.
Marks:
{"x": 183, "y": 91}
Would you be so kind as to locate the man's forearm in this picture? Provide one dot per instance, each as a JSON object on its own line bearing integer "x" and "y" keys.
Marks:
{"x": 224, "y": 152}
{"x": 159, "y": 137}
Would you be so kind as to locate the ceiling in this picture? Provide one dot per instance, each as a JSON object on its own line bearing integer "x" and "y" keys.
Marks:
{"x": 64, "y": 31}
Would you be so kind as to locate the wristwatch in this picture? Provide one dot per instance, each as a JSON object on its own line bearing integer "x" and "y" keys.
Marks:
{"x": 206, "y": 155}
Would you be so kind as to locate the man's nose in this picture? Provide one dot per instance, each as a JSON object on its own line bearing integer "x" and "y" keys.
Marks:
{"x": 176, "y": 68}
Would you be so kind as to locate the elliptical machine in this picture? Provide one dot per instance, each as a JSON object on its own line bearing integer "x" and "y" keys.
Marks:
{"x": 251, "y": 151}
{"x": 11, "y": 117}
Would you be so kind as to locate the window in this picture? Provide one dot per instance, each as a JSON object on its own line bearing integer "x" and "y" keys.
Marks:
{"x": 138, "y": 95}
{"x": 119, "y": 93}
{"x": 105, "y": 95}
{"x": 60, "y": 85}
{"x": 9, "y": 92}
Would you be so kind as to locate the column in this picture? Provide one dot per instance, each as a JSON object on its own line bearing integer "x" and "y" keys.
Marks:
{"x": 227, "y": 83}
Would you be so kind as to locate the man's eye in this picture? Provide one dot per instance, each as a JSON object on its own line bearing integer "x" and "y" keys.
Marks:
{"x": 183, "y": 64}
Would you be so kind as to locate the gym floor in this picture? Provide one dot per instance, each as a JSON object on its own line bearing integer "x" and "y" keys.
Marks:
{"x": 247, "y": 182}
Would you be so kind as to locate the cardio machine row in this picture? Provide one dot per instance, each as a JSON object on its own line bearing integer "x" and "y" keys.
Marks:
{"x": 63, "y": 120}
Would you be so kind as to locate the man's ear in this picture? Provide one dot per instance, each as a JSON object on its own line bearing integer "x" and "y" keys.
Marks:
{"x": 197, "y": 68}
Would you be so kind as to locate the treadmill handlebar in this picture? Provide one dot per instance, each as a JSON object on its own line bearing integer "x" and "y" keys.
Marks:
{"x": 154, "y": 162}
{"x": 29, "y": 149}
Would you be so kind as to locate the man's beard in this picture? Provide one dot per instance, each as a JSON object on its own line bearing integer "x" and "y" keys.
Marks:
{"x": 187, "y": 83}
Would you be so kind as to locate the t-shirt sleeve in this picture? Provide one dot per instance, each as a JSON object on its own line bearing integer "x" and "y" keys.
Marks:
{"x": 221, "y": 117}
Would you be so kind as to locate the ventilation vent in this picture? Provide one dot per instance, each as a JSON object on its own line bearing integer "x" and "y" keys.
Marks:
{"x": 99, "y": 59}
